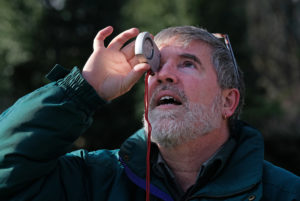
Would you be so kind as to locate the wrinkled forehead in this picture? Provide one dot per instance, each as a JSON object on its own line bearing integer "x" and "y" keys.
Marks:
{"x": 173, "y": 41}
{"x": 176, "y": 41}
{"x": 185, "y": 37}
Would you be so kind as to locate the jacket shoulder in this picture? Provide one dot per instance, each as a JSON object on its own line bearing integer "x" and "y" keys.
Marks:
{"x": 101, "y": 156}
{"x": 279, "y": 184}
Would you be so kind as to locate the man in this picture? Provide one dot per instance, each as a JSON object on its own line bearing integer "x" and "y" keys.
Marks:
{"x": 200, "y": 151}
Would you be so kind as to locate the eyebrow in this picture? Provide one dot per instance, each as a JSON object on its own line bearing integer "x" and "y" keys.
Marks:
{"x": 191, "y": 56}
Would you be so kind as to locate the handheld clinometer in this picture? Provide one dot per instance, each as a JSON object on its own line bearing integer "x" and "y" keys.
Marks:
{"x": 147, "y": 51}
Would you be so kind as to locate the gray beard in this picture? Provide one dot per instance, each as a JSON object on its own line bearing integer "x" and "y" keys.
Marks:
{"x": 191, "y": 120}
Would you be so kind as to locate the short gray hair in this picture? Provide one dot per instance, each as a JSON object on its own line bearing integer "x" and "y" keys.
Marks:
{"x": 228, "y": 76}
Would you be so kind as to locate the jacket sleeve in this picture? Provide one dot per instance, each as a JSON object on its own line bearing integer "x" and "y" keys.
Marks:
{"x": 39, "y": 129}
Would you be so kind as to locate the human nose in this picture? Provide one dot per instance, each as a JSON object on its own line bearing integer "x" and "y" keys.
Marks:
{"x": 166, "y": 74}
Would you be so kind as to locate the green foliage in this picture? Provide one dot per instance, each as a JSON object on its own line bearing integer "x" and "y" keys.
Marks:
{"x": 270, "y": 109}
{"x": 18, "y": 21}
{"x": 155, "y": 15}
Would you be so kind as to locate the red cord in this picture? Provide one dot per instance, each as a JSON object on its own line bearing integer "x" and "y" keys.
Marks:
{"x": 146, "y": 103}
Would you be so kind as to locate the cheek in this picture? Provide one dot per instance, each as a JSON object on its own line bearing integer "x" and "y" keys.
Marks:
{"x": 200, "y": 91}
{"x": 193, "y": 89}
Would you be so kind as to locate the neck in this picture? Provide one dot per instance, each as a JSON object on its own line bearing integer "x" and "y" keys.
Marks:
{"x": 185, "y": 160}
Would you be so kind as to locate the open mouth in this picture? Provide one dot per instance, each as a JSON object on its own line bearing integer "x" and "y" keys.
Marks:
{"x": 165, "y": 100}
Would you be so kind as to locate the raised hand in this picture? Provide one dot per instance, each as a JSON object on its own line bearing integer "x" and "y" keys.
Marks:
{"x": 113, "y": 70}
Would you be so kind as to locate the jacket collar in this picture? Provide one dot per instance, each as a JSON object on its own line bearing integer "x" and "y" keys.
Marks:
{"x": 244, "y": 168}
{"x": 242, "y": 172}
{"x": 133, "y": 152}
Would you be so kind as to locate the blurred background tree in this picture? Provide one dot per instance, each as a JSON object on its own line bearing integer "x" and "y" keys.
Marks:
{"x": 265, "y": 35}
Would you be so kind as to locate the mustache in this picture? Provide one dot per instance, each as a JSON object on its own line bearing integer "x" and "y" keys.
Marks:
{"x": 170, "y": 87}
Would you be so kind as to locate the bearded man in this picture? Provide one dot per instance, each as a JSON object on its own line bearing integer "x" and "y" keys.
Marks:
{"x": 199, "y": 151}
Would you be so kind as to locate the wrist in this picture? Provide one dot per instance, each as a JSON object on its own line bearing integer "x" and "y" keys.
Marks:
{"x": 76, "y": 88}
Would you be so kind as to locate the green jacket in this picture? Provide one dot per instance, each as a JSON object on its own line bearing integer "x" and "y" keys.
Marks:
{"x": 38, "y": 130}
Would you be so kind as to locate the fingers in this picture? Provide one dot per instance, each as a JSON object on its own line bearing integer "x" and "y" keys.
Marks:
{"x": 101, "y": 35}
{"x": 136, "y": 73}
{"x": 118, "y": 42}
{"x": 128, "y": 50}
{"x": 121, "y": 39}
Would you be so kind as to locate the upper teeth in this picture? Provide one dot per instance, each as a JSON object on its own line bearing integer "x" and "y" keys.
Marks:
{"x": 166, "y": 98}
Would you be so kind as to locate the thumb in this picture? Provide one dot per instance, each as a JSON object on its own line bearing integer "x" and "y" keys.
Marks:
{"x": 136, "y": 73}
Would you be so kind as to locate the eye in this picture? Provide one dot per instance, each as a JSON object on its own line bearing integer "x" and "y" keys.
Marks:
{"x": 188, "y": 64}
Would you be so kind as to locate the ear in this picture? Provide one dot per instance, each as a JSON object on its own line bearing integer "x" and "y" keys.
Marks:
{"x": 231, "y": 99}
